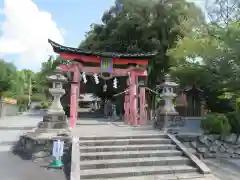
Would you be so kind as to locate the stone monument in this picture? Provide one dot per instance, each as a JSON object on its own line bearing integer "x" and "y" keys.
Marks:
{"x": 38, "y": 142}
{"x": 166, "y": 114}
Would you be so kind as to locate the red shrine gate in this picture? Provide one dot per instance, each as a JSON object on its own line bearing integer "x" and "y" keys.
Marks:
{"x": 107, "y": 65}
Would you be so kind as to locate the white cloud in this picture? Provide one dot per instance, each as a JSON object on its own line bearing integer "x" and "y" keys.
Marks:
{"x": 25, "y": 31}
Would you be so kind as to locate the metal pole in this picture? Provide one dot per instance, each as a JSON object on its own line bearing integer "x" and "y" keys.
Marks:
{"x": 29, "y": 91}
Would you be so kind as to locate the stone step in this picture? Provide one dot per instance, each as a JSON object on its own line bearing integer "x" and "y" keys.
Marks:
{"x": 127, "y": 147}
{"x": 120, "y": 136}
{"x": 131, "y": 162}
{"x": 176, "y": 176}
{"x": 129, "y": 154}
{"x": 134, "y": 171}
{"x": 125, "y": 141}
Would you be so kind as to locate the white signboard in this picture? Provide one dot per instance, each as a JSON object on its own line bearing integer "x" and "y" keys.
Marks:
{"x": 57, "y": 150}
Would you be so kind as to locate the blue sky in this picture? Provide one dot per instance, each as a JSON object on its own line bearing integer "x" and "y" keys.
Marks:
{"x": 72, "y": 17}
{"x": 75, "y": 16}
{"x": 25, "y": 26}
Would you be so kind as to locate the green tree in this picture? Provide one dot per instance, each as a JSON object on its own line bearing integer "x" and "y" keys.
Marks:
{"x": 213, "y": 48}
{"x": 6, "y": 74}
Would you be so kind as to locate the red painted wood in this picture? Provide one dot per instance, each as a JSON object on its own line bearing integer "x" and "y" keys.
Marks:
{"x": 74, "y": 99}
{"x": 115, "y": 72}
{"x": 95, "y": 59}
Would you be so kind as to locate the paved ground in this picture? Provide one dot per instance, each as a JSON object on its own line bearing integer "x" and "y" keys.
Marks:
{"x": 224, "y": 169}
{"x": 13, "y": 167}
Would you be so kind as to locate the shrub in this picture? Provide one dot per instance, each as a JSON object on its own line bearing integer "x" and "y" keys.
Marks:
{"x": 44, "y": 104}
{"x": 234, "y": 121}
{"x": 215, "y": 123}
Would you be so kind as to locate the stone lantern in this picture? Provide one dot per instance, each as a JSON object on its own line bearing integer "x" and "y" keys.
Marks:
{"x": 36, "y": 143}
{"x": 55, "y": 118}
{"x": 57, "y": 91}
{"x": 166, "y": 114}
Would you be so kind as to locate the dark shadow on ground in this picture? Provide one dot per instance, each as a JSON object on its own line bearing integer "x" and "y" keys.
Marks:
{"x": 67, "y": 162}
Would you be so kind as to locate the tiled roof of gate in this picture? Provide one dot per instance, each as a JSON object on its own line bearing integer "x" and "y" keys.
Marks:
{"x": 64, "y": 49}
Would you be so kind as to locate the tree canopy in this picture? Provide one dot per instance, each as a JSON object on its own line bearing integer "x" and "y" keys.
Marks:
{"x": 144, "y": 26}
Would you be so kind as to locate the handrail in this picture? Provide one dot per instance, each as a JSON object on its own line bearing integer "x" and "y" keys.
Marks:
{"x": 155, "y": 92}
{"x": 121, "y": 93}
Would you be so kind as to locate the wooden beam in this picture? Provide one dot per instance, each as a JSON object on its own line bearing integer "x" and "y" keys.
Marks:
{"x": 96, "y": 59}
{"x": 115, "y": 72}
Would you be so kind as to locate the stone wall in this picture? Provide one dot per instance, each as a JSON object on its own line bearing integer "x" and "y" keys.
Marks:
{"x": 213, "y": 146}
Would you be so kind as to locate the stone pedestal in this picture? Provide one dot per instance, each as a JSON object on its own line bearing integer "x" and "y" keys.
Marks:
{"x": 38, "y": 146}
{"x": 164, "y": 120}
{"x": 53, "y": 122}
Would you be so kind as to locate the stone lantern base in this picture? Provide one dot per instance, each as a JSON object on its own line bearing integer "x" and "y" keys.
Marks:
{"x": 170, "y": 122}
{"x": 37, "y": 144}
{"x": 164, "y": 120}
{"x": 56, "y": 120}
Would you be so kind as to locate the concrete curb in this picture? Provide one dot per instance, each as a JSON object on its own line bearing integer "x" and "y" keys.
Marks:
{"x": 75, "y": 160}
{"x": 202, "y": 166}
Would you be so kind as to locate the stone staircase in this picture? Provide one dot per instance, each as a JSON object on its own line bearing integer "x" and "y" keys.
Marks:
{"x": 134, "y": 157}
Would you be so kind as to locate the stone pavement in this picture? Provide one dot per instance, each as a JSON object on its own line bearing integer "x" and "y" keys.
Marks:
{"x": 100, "y": 127}
{"x": 12, "y": 167}
{"x": 224, "y": 169}
{"x": 12, "y": 127}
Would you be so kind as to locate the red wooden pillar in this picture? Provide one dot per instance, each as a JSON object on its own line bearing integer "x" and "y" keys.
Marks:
{"x": 126, "y": 108}
{"x": 142, "y": 105}
{"x": 133, "y": 98}
{"x": 75, "y": 88}
{"x": 127, "y": 105}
